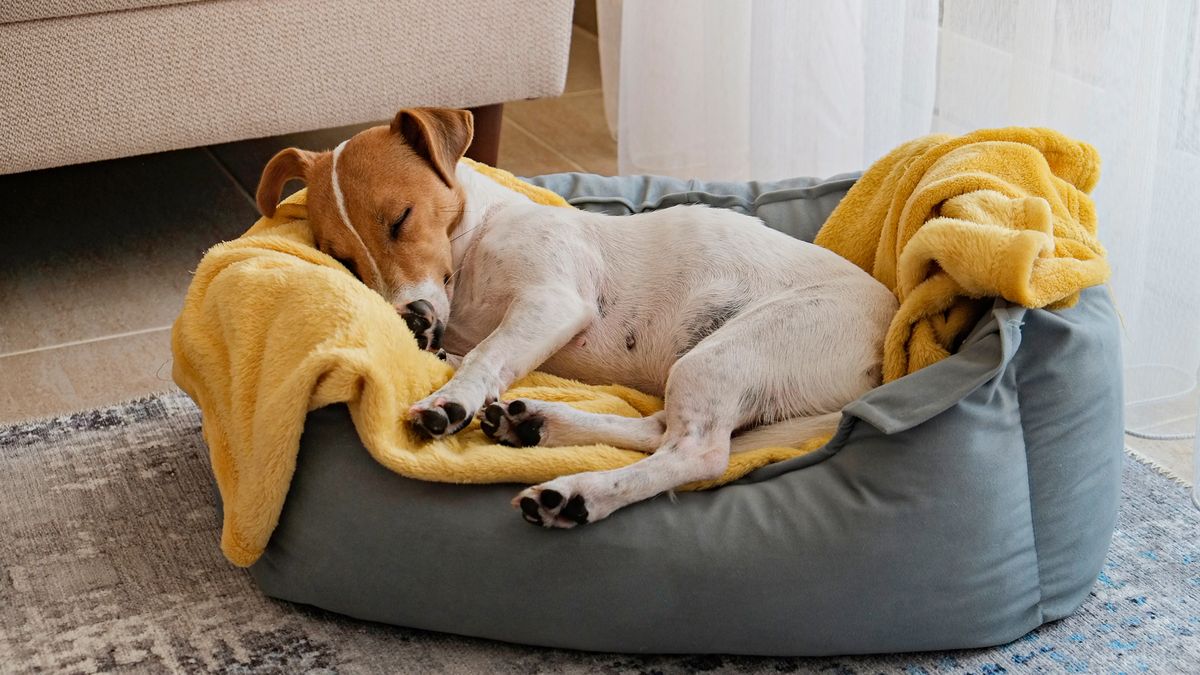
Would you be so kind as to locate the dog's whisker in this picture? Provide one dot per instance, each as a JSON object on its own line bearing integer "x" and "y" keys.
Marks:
{"x": 463, "y": 234}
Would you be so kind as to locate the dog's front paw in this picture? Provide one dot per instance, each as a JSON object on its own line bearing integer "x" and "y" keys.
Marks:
{"x": 545, "y": 506}
{"x": 514, "y": 423}
{"x": 422, "y": 320}
{"x": 438, "y": 416}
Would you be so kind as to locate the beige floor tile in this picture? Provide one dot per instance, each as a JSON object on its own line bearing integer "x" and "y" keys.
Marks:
{"x": 524, "y": 155}
{"x": 573, "y": 125}
{"x": 107, "y": 248}
{"x": 82, "y": 376}
{"x": 583, "y": 68}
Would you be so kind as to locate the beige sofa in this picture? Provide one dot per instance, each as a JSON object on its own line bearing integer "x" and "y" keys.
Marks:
{"x": 86, "y": 80}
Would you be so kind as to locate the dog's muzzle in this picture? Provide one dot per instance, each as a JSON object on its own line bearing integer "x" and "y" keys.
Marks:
{"x": 423, "y": 322}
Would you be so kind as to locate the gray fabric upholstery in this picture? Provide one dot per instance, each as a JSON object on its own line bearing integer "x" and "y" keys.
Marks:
{"x": 960, "y": 506}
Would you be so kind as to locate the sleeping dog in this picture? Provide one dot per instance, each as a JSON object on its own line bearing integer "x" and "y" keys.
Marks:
{"x": 753, "y": 338}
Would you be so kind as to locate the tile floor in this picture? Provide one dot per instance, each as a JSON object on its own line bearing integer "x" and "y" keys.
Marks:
{"x": 96, "y": 258}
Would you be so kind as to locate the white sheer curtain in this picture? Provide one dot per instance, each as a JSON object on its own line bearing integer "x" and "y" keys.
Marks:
{"x": 771, "y": 88}
{"x": 765, "y": 88}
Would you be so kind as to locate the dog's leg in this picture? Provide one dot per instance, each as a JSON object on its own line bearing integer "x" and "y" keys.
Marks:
{"x": 526, "y": 422}
{"x": 703, "y": 407}
{"x": 691, "y": 451}
{"x": 538, "y": 323}
{"x": 776, "y": 360}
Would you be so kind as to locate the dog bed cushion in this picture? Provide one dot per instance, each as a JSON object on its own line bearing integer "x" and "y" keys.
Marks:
{"x": 959, "y": 506}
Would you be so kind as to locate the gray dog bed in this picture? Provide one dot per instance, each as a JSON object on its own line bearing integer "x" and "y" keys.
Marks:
{"x": 960, "y": 506}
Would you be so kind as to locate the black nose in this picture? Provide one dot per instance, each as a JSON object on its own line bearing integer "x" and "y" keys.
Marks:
{"x": 418, "y": 316}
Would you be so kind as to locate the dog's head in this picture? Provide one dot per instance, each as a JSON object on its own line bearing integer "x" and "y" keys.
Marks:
{"x": 384, "y": 204}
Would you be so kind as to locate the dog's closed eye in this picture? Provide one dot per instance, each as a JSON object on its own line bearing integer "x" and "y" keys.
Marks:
{"x": 394, "y": 232}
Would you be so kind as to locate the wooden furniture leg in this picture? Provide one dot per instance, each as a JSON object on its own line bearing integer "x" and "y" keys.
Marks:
{"x": 486, "y": 145}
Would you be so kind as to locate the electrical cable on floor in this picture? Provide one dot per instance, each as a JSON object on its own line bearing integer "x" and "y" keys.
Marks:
{"x": 1159, "y": 437}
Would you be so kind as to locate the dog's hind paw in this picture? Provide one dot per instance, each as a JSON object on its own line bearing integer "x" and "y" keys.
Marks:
{"x": 548, "y": 507}
{"x": 514, "y": 423}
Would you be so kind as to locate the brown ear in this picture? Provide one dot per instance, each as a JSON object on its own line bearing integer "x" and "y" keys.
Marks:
{"x": 439, "y": 135}
{"x": 287, "y": 164}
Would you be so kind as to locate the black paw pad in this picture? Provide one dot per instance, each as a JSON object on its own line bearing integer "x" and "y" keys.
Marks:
{"x": 575, "y": 509}
{"x": 488, "y": 428}
{"x": 551, "y": 498}
{"x": 434, "y": 421}
{"x": 529, "y": 432}
{"x": 493, "y": 414}
{"x": 529, "y": 509}
{"x": 455, "y": 412}
{"x": 517, "y": 407}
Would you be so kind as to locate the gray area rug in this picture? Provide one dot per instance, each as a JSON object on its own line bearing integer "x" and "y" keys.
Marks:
{"x": 108, "y": 547}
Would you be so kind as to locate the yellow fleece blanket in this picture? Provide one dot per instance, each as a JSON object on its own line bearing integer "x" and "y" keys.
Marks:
{"x": 951, "y": 222}
{"x": 271, "y": 328}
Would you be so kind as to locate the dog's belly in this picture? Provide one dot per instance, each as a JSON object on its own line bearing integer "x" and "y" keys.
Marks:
{"x": 608, "y": 351}
{"x": 616, "y": 350}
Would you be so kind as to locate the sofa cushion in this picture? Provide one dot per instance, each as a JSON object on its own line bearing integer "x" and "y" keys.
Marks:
{"x": 12, "y": 12}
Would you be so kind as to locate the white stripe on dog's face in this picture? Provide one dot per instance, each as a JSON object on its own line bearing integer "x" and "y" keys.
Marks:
{"x": 340, "y": 199}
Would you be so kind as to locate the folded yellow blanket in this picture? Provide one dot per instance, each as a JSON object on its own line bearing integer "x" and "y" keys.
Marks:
{"x": 271, "y": 328}
{"x": 948, "y": 223}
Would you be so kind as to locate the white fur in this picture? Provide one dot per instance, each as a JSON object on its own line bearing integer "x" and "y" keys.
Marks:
{"x": 797, "y": 333}
{"x": 338, "y": 197}
{"x": 430, "y": 290}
